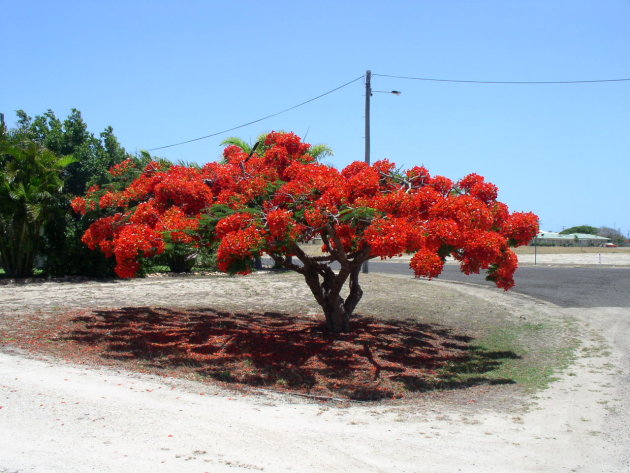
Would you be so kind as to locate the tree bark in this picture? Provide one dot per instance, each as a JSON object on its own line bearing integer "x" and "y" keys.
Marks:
{"x": 326, "y": 286}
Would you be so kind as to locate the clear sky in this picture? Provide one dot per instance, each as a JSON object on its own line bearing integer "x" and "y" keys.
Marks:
{"x": 162, "y": 72}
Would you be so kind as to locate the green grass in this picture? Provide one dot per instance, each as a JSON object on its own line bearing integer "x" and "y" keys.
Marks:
{"x": 150, "y": 269}
{"x": 530, "y": 355}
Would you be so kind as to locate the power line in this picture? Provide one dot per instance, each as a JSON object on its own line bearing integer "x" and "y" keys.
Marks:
{"x": 260, "y": 119}
{"x": 430, "y": 79}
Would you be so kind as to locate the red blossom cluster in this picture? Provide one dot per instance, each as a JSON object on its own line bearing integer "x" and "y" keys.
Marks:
{"x": 237, "y": 248}
{"x": 122, "y": 168}
{"x": 268, "y": 202}
{"x": 178, "y": 225}
{"x": 161, "y": 206}
{"x": 133, "y": 241}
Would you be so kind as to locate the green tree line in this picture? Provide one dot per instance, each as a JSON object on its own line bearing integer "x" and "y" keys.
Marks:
{"x": 615, "y": 235}
{"x": 44, "y": 163}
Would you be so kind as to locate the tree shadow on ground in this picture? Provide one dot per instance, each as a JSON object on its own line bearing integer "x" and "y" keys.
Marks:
{"x": 379, "y": 359}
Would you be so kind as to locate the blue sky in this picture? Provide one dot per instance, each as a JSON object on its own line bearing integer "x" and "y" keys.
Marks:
{"x": 163, "y": 72}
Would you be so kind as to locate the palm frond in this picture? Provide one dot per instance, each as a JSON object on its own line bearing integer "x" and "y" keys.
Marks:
{"x": 235, "y": 141}
{"x": 188, "y": 164}
{"x": 66, "y": 161}
{"x": 320, "y": 151}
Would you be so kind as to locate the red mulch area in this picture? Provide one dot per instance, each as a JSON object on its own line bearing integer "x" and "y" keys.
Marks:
{"x": 379, "y": 359}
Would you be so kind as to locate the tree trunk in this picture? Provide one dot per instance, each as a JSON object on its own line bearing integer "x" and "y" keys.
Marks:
{"x": 326, "y": 286}
{"x": 181, "y": 262}
{"x": 17, "y": 245}
{"x": 337, "y": 319}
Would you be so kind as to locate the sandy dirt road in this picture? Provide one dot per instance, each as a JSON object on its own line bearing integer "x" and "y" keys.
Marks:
{"x": 56, "y": 417}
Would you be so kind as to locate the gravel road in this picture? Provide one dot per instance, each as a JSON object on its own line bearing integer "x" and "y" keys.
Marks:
{"x": 56, "y": 417}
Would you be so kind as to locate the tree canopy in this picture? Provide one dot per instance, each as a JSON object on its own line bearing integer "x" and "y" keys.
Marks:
{"x": 61, "y": 249}
{"x": 31, "y": 184}
{"x": 93, "y": 155}
{"x": 615, "y": 235}
{"x": 588, "y": 229}
{"x": 271, "y": 200}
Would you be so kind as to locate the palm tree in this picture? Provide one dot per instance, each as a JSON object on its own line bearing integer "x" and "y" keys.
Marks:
{"x": 31, "y": 184}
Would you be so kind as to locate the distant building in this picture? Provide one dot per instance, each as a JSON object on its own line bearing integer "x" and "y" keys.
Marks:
{"x": 569, "y": 239}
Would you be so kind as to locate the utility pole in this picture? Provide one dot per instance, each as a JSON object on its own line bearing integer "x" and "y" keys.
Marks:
{"x": 368, "y": 94}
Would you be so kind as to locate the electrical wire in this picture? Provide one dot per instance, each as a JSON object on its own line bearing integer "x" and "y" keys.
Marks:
{"x": 260, "y": 119}
{"x": 428, "y": 79}
{"x": 523, "y": 82}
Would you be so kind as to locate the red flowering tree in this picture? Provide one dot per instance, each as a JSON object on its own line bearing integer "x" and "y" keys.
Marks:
{"x": 145, "y": 213}
{"x": 271, "y": 201}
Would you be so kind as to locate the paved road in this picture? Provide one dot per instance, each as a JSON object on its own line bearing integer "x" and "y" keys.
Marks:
{"x": 575, "y": 286}
{"x": 567, "y": 287}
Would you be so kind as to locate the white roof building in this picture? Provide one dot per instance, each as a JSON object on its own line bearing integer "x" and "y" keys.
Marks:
{"x": 569, "y": 239}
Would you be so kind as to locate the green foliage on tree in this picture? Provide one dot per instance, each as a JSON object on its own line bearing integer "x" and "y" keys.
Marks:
{"x": 62, "y": 251}
{"x": 615, "y": 236}
{"x": 94, "y": 156}
{"x": 31, "y": 194}
{"x": 580, "y": 229}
